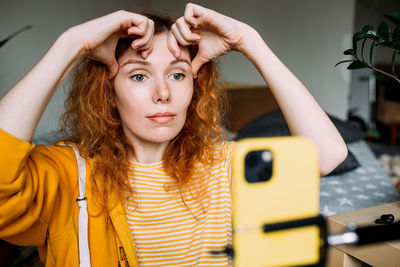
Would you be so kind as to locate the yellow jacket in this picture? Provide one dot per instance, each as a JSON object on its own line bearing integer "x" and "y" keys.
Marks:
{"x": 38, "y": 192}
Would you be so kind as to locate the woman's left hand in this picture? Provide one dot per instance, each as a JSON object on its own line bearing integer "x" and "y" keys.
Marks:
{"x": 214, "y": 33}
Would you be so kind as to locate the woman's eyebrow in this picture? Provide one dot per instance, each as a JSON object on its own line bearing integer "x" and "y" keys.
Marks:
{"x": 144, "y": 62}
{"x": 180, "y": 60}
{"x": 136, "y": 61}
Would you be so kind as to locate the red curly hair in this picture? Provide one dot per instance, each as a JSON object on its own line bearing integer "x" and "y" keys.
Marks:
{"x": 92, "y": 121}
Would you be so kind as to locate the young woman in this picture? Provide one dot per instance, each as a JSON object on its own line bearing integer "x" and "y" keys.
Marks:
{"x": 143, "y": 113}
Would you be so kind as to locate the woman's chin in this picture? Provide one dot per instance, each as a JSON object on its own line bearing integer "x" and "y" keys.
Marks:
{"x": 164, "y": 139}
{"x": 159, "y": 137}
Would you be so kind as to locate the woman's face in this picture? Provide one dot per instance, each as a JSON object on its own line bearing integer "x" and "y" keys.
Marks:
{"x": 153, "y": 94}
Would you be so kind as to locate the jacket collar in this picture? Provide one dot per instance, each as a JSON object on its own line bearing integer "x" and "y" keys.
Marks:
{"x": 116, "y": 211}
{"x": 118, "y": 218}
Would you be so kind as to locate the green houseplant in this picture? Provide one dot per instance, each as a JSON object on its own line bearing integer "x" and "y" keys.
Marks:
{"x": 380, "y": 37}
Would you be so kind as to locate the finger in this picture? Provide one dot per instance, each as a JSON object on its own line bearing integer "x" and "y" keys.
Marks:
{"x": 197, "y": 62}
{"x": 189, "y": 15}
{"x": 178, "y": 36}
{"x": 191, "y": 21}
{"x": 147, "y": 48}
{"x": 130, "y": 23}
{"x": 138, "y": 25}
{"x": 173, "y": 46}
{"x": 184, "y": 29}
{"x": 146, "y": 40}
{"x": 112, "y": 70}
{"x": 145, "y": 53}
{"x": 194, "y": 14}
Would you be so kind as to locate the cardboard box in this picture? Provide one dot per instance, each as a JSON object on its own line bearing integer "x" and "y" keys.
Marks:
{"x": 385, "y": 254}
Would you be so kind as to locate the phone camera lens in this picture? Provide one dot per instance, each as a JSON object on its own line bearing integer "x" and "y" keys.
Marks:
{"x": 265, "y": 173}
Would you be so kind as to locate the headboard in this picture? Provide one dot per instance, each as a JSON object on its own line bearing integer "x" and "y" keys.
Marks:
{"x": 246, "y": 102}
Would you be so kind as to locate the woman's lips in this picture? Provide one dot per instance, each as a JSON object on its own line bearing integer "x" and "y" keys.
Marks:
{"x": 162, "y": 118}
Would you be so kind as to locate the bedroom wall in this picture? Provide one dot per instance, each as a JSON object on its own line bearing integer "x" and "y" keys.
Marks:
{"x": 307, "y": 35}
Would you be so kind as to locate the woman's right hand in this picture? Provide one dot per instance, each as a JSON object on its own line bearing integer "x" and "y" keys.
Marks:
{"x": 22, "y": 107}
{"x": 98, "y": 38}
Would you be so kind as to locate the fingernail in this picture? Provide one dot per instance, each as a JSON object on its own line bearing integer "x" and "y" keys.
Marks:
{"x": 176, "y": 53}
{"x": 136, "y": 47}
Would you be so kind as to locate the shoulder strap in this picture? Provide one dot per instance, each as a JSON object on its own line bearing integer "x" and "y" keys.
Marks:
{"x": 84, "y": 253}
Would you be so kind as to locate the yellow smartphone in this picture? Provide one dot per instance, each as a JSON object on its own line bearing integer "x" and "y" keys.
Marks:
{"x": 276, "y": 203}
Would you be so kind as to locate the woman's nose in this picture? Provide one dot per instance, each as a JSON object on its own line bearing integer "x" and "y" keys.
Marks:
{"x": 162, "y": 93}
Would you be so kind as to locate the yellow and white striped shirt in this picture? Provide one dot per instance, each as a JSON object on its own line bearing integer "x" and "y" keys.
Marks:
{"x": 167, "y": 232}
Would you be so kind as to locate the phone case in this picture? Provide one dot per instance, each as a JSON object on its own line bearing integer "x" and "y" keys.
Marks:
{"x": 292, "y": 193}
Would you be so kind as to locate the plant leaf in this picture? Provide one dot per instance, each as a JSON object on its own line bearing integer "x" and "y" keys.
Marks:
{"x": 362, "y": 49}
{"x": 396, "y": 14}
{"x": 396, "y": 44}
{"x": 396, "y": 34}
{"x": 393, "y": 62}
{"x": 358, "y": 36}
{"x": 373, "y": 37}
{"x": 383, "y": 31}
{"x": 357, "y": 65}
{"x": 394, "y": 17}
{"x": 371, "y": 52}
{"x": 369, "y": 29}
{"x": 349, "y": 52}
{"x": 343, "y": 61}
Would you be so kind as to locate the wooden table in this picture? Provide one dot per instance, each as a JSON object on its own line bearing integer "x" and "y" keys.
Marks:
{"x": 385, "y": 254}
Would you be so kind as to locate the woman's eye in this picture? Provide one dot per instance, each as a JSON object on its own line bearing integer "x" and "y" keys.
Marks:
{"x": 178, "y": 76}
{"x": 138, "y": 77}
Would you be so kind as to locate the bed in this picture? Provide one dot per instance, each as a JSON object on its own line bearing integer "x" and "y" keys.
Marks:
{"x": 365, "y": 186}
{"x": 359, "y": 182}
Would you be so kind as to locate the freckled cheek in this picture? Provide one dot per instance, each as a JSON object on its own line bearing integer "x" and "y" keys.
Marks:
{"x": 128, "y": 96}
{"x": 186, "y": 101}
{"x": 130, "y": 106}
{"x": 187, "y": 94}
